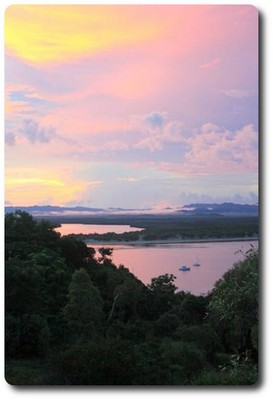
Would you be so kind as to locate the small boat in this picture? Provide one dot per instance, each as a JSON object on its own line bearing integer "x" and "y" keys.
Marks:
{"x": 184, "y": 268}
{"x": 197, "y": 263}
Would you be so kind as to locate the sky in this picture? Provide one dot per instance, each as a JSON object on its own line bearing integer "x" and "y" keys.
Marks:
{"x": 132, "y": 106}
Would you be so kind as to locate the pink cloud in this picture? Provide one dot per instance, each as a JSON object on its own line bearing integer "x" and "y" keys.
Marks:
{"x": 162, "y": 71}
{"x": 238, "y": 93}
{"x": 214, "y": 150}
{"x": 210, "y": 64}
{"x": 156, "y": 130}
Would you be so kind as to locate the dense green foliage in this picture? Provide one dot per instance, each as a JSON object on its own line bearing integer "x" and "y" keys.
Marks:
{"x": 73, "y": 317}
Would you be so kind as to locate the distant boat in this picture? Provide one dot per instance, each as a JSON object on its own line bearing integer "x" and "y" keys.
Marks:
{"x": 197, "y": 263}
{"x": 184, "y": 268}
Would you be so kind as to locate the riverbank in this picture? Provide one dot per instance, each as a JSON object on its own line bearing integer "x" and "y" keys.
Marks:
{"x": 150, "y": 243}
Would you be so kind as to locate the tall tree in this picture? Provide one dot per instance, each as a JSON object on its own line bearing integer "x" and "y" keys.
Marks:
{"x": 162, "y": 294}
{"x": 234, "y": 304}
{"x": 84, "y": 307}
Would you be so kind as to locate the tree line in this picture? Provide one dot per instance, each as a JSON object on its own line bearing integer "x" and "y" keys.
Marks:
{"x": 75, "y": 318}
{"x": 175, "y": 228}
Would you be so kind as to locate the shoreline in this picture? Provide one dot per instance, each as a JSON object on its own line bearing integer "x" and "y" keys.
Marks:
{"x": 144, "y": 243}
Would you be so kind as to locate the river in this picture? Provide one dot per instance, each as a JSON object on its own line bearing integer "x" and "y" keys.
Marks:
{"x": 66, "y": 229}
{"x": 215, "y": 258}
{"x": 149, "y": 261}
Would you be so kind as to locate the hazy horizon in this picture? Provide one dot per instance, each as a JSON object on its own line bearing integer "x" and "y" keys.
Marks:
{"x": 50, "y": 209}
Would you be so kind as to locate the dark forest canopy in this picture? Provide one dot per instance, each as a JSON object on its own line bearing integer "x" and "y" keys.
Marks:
{"x": 73, "y": 317}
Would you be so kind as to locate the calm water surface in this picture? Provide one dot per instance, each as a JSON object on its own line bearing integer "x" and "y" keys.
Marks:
{"x": 147, "y": 262}
{"x": 215, "y": 258}
{"x": 66, "y": 229}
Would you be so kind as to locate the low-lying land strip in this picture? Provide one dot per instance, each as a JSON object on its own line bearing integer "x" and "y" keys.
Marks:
{"x": 168, "y": 228}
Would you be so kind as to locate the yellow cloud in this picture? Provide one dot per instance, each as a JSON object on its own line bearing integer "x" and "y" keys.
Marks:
{"x": 35, "y": 181}
{"x": 48, "y": 33}
{"x": 28, "y": 188}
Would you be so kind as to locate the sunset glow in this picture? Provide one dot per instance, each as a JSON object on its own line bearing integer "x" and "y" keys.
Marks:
{"x": 45, "y": 33}
{"x": 131, "y": 105}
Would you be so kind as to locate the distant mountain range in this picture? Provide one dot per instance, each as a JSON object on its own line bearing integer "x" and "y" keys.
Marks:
{"x": 230, "y": 209}
{"x": 221, "y": 209}
{"x": 44, "y": 210}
